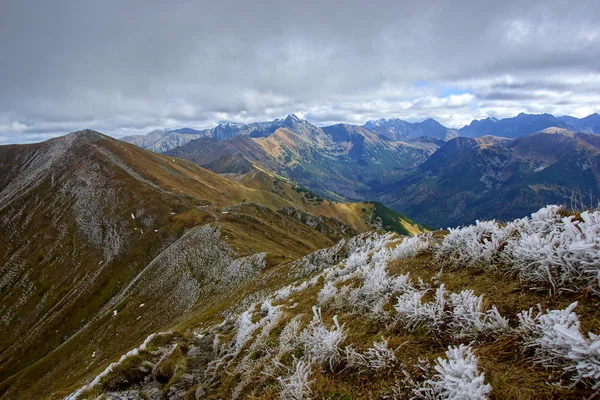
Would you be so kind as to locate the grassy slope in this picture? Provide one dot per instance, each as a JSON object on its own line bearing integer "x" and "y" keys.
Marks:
{"x": 178, "y": 196}
{"x": 505, "y": 368}
{"x": 361, "y": 216}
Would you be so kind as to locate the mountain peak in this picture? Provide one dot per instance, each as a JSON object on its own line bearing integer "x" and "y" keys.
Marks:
{"x": 292, "y": 118}
{"x": 430, "y": 121}
{"x": 88, "y": 134}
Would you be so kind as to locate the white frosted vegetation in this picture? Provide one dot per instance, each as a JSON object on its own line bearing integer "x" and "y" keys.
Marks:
{"x": 549, "y": 252}
{"x": 556, "y": 340}
{"x": 475, "y": 246}
{"x": 469, "y": 319}
{"x": 368, "y": 264}
{"x": 460, "y": 314}
{"x": 563, "y": 257}
{"x": 412, "y": 246}
{"x": 457, "y": 377}
{"x": 412, "y": 313}
{"x": 296, "y": 385}
{"x": 112, "y": 366}
{"x": 354, "y": 278}
{"x": 379, "y": 357}
{"x": 289, "y": 339}
{"x": 327, "y": 293}
{"x": 322, "y": 344}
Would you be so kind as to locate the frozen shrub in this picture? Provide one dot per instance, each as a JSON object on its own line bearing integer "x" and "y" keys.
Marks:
{"x": 557, "y": 342}
{"x": 361, "y": 250}
{"x": 380, "y": 356}
{"x": 412, "y": 246}
{"x": 322, "y": 344}
{"x": 558, "y": 255}
{"x": 376, "y": 290}
{"x": 548, "y": 251}
{"x": 327, "y": 293}
{"x": 353, "y": 262}
{"x": 340, "y": 302}
{"x": 296, "y": 385}
{"x": 474, "y": 246}
{"x": 412, "y": 313}
{"x": 462, "y": 314}
{"x": 353, "y": 358}
{"x": 542, "y": 221}
{"x": 457, "y": 377}
{"x": 290, "y": 336}
{"x": 283, "y": 293}
{"x": 245, "y": 329}
{"x": 271, "y": 317}
{"x": 468, "y": 318}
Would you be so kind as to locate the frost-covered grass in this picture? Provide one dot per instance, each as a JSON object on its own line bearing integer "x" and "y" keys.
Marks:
{"x": 477, "y": 246}
{"x": 454, "y": 304}
{"x": 114, "y": 366}
{"x": 563, "y": 256}
{"x": 459, "y": 314}
{"x": 296, "y": 385}
{"x": 321, "y": 344}
{"x": 556, "y": 340}
{"x": 457, "y": 377}
{"x": 548, "y": 251}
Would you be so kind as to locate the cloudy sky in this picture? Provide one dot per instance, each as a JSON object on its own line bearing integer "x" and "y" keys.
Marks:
{"x": 128, "y": 66}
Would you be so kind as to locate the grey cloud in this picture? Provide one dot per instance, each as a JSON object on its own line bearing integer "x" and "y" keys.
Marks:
{"x": 130, "y": 66}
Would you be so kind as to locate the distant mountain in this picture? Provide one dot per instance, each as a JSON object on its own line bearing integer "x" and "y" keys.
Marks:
{"x": 393, "y": 129}
{"x": 488, "y": 177}
{"x": 589, "y": 124}
{"x": 339, "y": 161}
{"x": 397, "y": 129}
{"x": 514, "y": 127}
{"x": 162, "y": 140}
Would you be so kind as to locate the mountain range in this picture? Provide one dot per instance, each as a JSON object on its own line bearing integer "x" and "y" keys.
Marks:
{"x": 391, "y": 128}
{"x": 338, "y": 161}
{"x": 490, "y": 177}
{"x": 439, "y": 176}
{"x": 395, "y": 128}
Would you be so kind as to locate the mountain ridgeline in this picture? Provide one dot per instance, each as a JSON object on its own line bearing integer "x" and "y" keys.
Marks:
{"x": 341, "y": 162}
{"x": 490, "y": 168}
{"x": 103, "y": 243}
{"x": 488, "y": 177}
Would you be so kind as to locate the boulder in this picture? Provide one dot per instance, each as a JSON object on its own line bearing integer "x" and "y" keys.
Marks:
{"x": 199, "y": 393}
{"x": 187, "y": 379}
{"x": 153, "y": 393}
{"x": 194, "y": 351}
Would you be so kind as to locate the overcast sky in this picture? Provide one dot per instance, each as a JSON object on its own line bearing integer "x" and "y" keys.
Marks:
{"x": 126, "y": 67}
